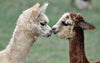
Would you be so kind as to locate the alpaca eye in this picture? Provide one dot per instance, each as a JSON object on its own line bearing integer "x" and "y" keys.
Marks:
{"x": 42, "y": 23}
{"x": 66, "y": 24}
{"x": 63, "y": 23}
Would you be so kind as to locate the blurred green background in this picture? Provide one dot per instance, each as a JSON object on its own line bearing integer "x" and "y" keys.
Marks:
{"x": 53, "y": 49}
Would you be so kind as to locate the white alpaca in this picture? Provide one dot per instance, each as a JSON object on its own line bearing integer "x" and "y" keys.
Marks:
{"x": 31, "y": 24}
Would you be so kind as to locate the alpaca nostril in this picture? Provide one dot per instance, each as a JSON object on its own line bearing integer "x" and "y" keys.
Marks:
{"x": 53, "y": 29}
{"x": 50, "y": 31}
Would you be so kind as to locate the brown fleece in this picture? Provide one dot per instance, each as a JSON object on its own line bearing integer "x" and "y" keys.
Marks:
{"x": 76, "y": 48}
{"x": 76, "y": 44}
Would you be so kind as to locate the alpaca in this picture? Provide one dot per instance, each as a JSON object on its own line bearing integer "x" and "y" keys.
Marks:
{"x": 71, "y": 26}
{"x": 81, "y": 4}
{"x": 31, "y": 24}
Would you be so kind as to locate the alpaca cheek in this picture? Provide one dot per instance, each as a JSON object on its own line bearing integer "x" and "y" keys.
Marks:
{"x": 36, "y": 31}
{"x": 62, "y": 37}
{"x": 62, "y": 34}
{"x": 46, "y": 30}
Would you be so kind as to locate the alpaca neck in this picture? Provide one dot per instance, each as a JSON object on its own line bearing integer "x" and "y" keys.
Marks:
{"x": 76, "y": 48}
{"x": 20, "y": 44}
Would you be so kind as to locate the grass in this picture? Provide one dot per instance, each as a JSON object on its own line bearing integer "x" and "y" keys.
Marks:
{"x": 53, "y": 49}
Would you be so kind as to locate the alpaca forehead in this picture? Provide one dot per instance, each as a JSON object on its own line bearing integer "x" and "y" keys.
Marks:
{"x": 66, "y": 14}
{"x": 44, "y": 18}
{"x": 67, "y": 18}
{"x": 63, "y": 17}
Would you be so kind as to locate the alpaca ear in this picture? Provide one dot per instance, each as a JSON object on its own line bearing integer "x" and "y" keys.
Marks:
{"x": 36, "y": 6}
{"x": 41, "y": 10}
{"x": 86, "y": 26}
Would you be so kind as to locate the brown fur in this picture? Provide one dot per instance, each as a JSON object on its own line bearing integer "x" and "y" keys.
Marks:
{"x": 98, "y": 62}
{"x": 75, "y": 34}
{"x": 76, "y": 44}
{"x": 76, "y": 47}
{"x": 79, "y": 21}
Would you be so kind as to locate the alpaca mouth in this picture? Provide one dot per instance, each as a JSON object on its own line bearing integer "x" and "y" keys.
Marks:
{"x": 48, "y": 35}
{"x": 55, "y": 32}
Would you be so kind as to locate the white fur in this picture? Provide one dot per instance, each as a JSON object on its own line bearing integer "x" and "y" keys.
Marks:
{"x": 24, "y": 35}
{"x": 63, "y": 31}
{"x": 42, "y": 10}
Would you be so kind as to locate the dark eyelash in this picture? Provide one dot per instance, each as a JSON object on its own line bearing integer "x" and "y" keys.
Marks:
{"x": 63, "y": 23}
{"x": 42, "y": 24}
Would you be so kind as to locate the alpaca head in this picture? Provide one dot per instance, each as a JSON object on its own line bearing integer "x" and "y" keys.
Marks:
{"x": 65, "y": 27}
{"x": 35, "y": 21}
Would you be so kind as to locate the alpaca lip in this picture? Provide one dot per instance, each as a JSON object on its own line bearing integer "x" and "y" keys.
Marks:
{"x": 49, "y": 35}
{"x": 55, "y": 32}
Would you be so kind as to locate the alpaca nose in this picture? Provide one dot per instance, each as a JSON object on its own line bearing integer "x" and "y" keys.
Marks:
{"x": 49, "y": 34}
{"x": 54, "y": 30}
{"x": 50, "y": 31}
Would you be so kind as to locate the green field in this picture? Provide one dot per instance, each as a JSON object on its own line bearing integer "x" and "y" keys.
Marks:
{"x": 53, "y": 49}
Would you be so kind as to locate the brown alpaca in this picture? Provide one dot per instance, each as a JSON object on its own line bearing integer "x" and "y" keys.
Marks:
{"x": 31, "y": 24}
{"x": 71, "y": 26}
